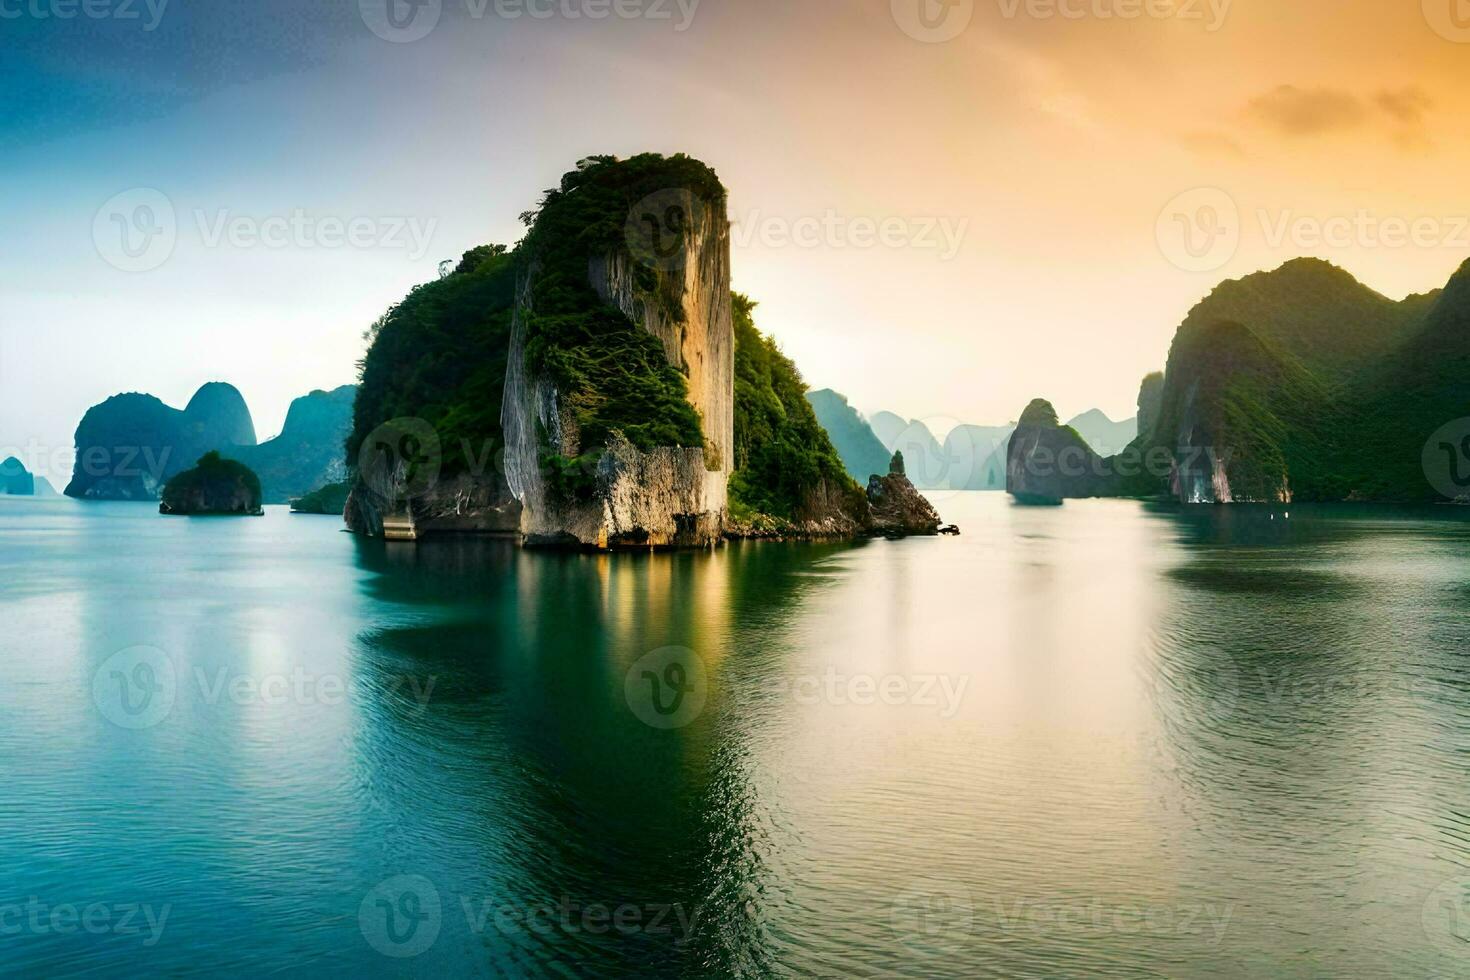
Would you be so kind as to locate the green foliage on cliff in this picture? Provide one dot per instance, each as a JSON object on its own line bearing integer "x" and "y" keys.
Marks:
{"x": 613, "y": 375}
{"x": 783, "y": 457}
{"x": 1323, "y": 387}
{"x": 440, "y": 355}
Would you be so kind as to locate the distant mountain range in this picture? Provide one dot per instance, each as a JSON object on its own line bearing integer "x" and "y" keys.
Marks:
{"x": 972, "y": 457}
{"x": 1296, "y": 384}
{"x": 128, "y": 446}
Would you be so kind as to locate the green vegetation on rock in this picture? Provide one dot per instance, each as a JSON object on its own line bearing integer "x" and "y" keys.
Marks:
{"x": 216, "y": 486}
{"x": 440, "y": 354}
{"x": 784, "y": 460}
{"x": 330, "y": 499}
{"x": 612, "y": 375}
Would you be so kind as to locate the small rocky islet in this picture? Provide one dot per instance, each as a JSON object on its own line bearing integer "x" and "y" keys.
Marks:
{"x": 215, "y": 487}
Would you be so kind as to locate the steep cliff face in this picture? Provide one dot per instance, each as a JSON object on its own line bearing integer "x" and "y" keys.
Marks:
{"x": 1235, "y": 417}
{"x": 1150, "y": 403}
{"x": 1047, "y": 461}
{"x": 438, "y": 359}
{"x": 599, "y": 386}
{"x": 579, "y": 475}
{"x": 127, "y": 447}
{"x": 308, "y": 453}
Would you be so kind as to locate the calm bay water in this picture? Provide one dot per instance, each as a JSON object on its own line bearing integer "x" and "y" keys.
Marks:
{"x": 1105, "y": 739}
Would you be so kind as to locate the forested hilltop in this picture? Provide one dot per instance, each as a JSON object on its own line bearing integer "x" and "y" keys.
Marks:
{"x": 1296, "y": 384}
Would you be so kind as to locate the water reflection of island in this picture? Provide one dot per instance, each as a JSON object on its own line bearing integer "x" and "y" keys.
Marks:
{"x": 531, "y": 764}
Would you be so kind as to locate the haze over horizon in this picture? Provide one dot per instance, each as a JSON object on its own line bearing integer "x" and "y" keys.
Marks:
{"x": 1030, "y": 171}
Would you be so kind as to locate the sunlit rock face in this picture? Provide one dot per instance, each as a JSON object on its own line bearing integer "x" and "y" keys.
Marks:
{"x": 664, "y": 497}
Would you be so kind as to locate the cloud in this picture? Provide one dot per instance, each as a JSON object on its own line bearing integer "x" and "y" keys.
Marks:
{"x": 1293, "y": 111}
{"x": 1407, "y": 105}
{"x": 1399, "y": 115}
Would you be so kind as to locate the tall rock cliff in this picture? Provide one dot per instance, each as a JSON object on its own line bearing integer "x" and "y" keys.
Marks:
{"x": 581, "y": 477}
{"x": 1047, "y": 461}
{"x": 1150, "y": 403}
{"x": 308, "y": 453}
{"x": 598, "y": 386}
